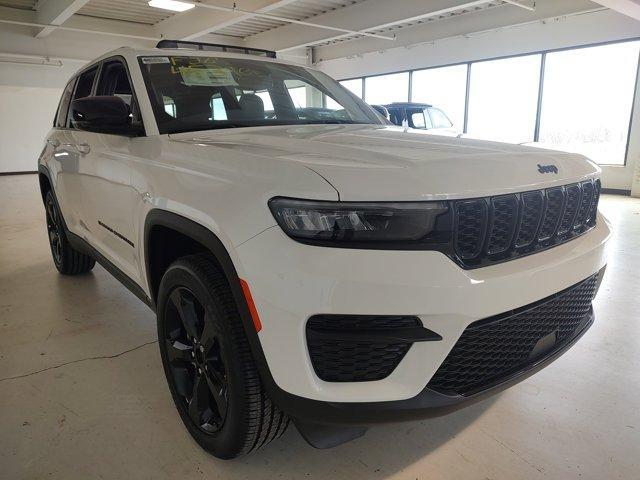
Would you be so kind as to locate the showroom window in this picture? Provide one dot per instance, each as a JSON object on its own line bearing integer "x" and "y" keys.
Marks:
{"x": 298, "y": 96}
{"x": 354, "y": 86}
{"x": 384, "y": 89}
{"x": 443, "y": 87}
{"x": 503, "y": 99}
{"x": 587, "y": 100}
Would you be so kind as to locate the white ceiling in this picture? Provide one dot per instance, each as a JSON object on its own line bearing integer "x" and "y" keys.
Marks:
{"x": 335, "y": 28}
{"x": 127, "y": 10}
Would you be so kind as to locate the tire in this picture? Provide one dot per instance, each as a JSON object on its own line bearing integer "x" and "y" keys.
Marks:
{"x": 67, "y": 259}
{"x": 224, "y": 407}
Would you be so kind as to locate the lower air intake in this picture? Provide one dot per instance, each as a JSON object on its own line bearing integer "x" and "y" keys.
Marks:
{"x": 337, "y": 358}
{"x": 493, "y": 349}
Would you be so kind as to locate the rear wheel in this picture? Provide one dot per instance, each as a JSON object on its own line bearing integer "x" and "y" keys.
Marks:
{"x": 208, "y": 363}
{"x": 67, "y": 259}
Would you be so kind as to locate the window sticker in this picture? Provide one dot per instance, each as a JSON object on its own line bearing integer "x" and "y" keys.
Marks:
{"x": 207, "y": 77}
{"x": 152, "y": 60}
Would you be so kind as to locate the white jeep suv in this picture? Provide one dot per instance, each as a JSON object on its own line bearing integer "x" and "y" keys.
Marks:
{"x": 312, "y": 263}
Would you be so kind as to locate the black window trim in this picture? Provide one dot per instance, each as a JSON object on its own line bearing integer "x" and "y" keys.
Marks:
{"x": 72, "y": 80}
{"x": 99, "y": 64}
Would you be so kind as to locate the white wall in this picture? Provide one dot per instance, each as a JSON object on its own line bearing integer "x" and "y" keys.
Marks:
{"x": 586, "y": 28}
{"x": 29, "y": 94}
{"x": 26, "y": 115}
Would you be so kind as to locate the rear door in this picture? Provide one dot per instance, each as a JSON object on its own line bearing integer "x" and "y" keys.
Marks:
{"x": 67, "y": 158}
{"x": 56, "y": 153}
{"x": 107, "y": 200}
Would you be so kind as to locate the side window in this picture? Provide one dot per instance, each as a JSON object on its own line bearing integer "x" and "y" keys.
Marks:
{"x": 114, "y": 81}
{"x": 169, "y": 106}
{"x": 396, "y": 116}
{"x": 420, "y": 119}
{"x": 218, "y": 110}
{"x": 417, "y": 120}
{"x": 84, "y": 86}
{"x": 85, "y": 83}
{"x": 439, "y": 119}
{"x": 63, "y": 108}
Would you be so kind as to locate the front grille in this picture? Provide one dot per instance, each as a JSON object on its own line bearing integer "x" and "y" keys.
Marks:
{"x": 495, "y": 348}
{"x": 337, "y": 358}
{"x": 494, "y": 229}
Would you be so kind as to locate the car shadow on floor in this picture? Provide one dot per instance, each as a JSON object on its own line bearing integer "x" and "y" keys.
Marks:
{"x": 383, "y": 451}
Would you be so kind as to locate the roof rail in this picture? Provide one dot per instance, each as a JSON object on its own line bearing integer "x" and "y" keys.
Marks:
{"x": 214, "y": 47}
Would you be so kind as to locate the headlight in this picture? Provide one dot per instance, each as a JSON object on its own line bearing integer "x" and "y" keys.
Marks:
{"x": 359, "y": 224}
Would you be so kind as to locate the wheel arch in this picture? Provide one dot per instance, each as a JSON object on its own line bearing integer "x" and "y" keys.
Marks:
{"x": 158, "y": 219}
{"x": 44, "y": 180}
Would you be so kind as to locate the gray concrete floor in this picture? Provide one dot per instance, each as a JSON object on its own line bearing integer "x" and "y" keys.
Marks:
{"x": 83, "y": 395}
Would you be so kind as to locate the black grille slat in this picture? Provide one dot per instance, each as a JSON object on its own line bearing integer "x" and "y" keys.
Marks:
{"x": 532, "y": 203}
{"x": 504, "y": 215}
{"x": 339, "y": 359}
{"x": 552, "y": 212}
{"x": 491, "y": 349}
{"x": 471, "y": 227}
{"x": 593, "y": 209}
{"x": 494, "y": 229}
{"x": 585, "y": 205}
{"x": 573, "y": 194}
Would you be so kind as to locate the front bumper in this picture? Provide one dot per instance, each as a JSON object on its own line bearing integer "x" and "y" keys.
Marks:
{"x": 291, "y": 282}
{"x": 427, "y": 404}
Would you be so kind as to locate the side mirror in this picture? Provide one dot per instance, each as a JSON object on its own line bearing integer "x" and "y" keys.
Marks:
{"x": 102, "y": 114}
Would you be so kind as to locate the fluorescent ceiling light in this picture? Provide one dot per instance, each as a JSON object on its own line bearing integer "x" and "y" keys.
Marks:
{"x": 173, "y": 5}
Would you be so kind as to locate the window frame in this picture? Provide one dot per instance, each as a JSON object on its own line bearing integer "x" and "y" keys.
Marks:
{"x": 98, "y": 65}
{"x": 62, "y": 105}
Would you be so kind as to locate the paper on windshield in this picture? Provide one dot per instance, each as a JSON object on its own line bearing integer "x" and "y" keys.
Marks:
{"x": 207, "y": 77}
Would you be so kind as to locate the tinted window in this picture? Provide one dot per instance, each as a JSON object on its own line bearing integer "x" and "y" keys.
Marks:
{"x": 114, "y": 81}
{"x": 85, "y": 83}
{"x": 439, "y": 119}
{"x": 396, "y": 115}
{"x": 217, "y": 92}
{"x": 63, "y": 108}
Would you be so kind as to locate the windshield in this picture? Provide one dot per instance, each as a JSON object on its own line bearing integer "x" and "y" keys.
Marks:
{"x": 202, "y": 93}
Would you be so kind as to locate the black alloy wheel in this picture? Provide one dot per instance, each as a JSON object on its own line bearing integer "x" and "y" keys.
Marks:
{"x": 54, "y": 229}
{"x": 67, "y": 259}
{"x": 208, "y": 362}
{"x": 195, "y": 357}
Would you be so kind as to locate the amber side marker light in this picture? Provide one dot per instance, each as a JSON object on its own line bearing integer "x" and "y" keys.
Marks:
{"x": 252, "y": 306}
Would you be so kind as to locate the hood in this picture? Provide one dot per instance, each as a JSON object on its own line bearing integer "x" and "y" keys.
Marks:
{"x": 380, "y": 162}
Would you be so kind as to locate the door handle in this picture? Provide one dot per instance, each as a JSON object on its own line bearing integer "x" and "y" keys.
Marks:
{"x": 56, "y": 144}
{"x": 83, "y": 148}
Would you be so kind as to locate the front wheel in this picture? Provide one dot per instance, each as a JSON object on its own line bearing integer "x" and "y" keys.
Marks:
{"x": 208, "y": 363}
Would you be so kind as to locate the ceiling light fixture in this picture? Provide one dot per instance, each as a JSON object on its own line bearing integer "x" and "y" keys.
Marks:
{"x": 173, "y": 5}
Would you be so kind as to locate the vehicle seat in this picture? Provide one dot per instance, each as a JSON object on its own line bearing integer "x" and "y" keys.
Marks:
{"x": 251, "y": 108}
